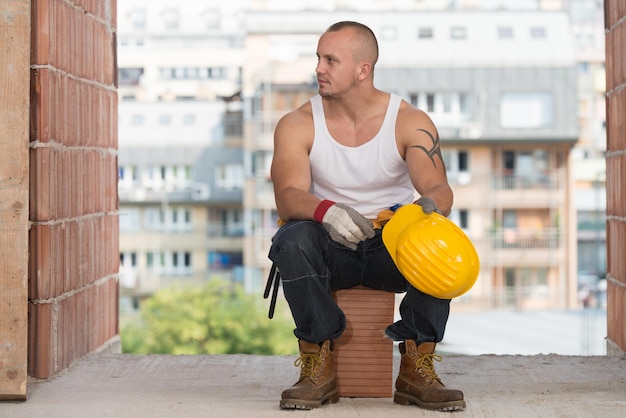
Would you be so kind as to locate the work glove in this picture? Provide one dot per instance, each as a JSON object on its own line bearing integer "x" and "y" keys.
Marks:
{"x": 344, "y": 224}
{"x": 427, "y": 204}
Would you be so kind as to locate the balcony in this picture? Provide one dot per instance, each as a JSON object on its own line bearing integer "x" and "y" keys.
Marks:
{"x": 527, "y": 246}
{"x": 521, "y": 191}
{"x": 196, "y": 192}
{"x": 259, "y": 193}
{"x": 260, "y": 131}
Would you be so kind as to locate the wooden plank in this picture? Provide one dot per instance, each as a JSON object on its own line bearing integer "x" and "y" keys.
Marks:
{"x": 14, "y": 182}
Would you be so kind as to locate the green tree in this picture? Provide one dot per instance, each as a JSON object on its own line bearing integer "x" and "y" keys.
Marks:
{"x": 218, "y": 318}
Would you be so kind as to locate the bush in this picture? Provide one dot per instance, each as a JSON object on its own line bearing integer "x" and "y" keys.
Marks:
{"x": 218, "y": 318}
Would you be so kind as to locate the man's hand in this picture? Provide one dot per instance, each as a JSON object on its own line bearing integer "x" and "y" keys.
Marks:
{"x": 428, "y": 206}
{"x": 344, "y": 224}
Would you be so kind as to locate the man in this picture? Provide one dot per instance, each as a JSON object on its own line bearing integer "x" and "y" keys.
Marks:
{"x": 341, "y": 161}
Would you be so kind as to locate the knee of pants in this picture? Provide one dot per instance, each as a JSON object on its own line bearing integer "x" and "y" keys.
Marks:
{"x": 298, "y": 237}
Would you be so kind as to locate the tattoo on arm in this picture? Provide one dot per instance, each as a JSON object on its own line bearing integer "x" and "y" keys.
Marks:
{"x": 435, "y": 150}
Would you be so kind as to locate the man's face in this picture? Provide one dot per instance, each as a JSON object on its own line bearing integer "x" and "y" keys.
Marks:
{"x": 336, "y": 69}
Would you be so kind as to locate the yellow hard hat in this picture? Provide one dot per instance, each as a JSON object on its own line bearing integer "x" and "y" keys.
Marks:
{"x": 431, "y": 252}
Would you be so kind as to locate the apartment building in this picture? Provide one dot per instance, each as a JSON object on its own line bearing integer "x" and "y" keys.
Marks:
{"x": 180, "y": 145}
{"x": 501, "y": 87}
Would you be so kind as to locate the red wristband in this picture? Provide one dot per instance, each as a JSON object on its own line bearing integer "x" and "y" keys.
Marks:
{"x": 321, "y": 210}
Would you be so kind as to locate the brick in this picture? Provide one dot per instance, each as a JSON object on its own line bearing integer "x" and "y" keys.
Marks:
{"x": 39, "y": 192}
{"x": 39, "y": 265}
{"x": 613, "y": 12}
{"x": 40, "y": 332}
{"x": 616, "y": 60}
{"x": 364, "y": 356}
{"x": 40, "y": 50}
{"x": 616, "y": 320}
{"x": 615, "y": 121}
{"x": 40, "y": 99}
{"x": 616, "y": 187}
{"x": 616, "y": 245}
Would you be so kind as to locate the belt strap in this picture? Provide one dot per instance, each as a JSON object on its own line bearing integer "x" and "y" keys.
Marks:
{"x": 272, "y": 280}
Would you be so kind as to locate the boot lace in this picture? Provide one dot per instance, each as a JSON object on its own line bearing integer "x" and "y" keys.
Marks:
{"x": 426, "y": 368}
{"x": 307, "y": 363}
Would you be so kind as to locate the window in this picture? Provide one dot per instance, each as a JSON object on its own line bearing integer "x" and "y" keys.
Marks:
{"x": 538, "y": 32}
{"x": 508, "y": 162}
{"x": 389, "y": 33}
{"x": 129, "y": 76}
{"x": 457, "y": 166}
{"x": 425, "y": 33}
{"x": 165, "y": 119}
{"x": 128, "y": 259}
{"x": 175, "y": 263}
{"x": 218, "y": 260}
{"x": 505, "y": 32}
{"x": 463, "y": 219}
{"x": 137, "y": 18}
{"x": 168, "y": 219}
{"x": 463, "y": 106}
{"x": 211, "y": 18}
{"x": 189, "y": 119}
{"x": 233, "y": 123}
{"x": 129, "y": 219}
{"x": 509, "y": 219}
{"x": 137, "y": 120}
{"x": 449, "y": 109}
{"x": 170, "y": 18}
{"x": 447, "y": 103}
{"x": 526, "y": 110}
{"x": 460, "y": 217}
{"x": 430, "y": 102}
{"x": 128, "y": 176}
{"x": 229, "y": 176}
{"x": 458, "y": 32}
{"x": 463, "y": 161}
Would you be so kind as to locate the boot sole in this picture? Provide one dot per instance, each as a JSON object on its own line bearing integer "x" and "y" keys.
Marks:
{"x": 450, "y": 406}
{"x": 332, "y": 397}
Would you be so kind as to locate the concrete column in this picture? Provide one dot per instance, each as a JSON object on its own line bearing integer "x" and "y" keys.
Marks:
{"x": 14, "y": 104}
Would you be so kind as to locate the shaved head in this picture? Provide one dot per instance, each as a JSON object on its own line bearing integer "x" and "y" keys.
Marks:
{"x": 366, "y": 45}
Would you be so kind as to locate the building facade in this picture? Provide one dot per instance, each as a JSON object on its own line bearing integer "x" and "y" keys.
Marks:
{"x": 181, "y": 177}
{"x": 501, "y": 83}
{"x": 501, "y": 87}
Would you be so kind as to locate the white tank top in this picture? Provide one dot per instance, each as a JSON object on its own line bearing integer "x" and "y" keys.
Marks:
{"x": 370, "y": 177}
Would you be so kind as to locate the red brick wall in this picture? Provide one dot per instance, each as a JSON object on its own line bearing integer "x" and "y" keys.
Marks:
{"x": 615, "y": 24}
{"x": 74, "y": 255}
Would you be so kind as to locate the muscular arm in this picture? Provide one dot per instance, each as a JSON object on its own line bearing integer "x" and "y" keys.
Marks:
{"x": 291, "y": 171}
{"x": 420, "y": 146}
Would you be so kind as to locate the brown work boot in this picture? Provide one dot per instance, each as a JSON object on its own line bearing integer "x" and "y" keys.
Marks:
{"x": 418, "y": 383}
{"x": 317, "y": 383}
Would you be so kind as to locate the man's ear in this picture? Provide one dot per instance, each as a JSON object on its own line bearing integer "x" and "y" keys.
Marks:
{"x": 364, "y": 70}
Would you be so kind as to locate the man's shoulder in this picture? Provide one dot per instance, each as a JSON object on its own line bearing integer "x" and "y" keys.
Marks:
{"x": 301, "y": 114}
{"x": 409, "y": 114}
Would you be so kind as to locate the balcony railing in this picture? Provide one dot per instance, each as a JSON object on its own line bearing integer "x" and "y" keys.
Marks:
{"x": 506, "y": 181}
{"x": 263, "y": 129}
{"x": 525, "y": 239}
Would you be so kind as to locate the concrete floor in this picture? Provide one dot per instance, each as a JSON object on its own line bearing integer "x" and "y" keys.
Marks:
{"x": 118, "y": 385}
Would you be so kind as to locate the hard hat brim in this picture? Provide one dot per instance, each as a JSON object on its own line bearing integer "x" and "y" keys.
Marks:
{"x": 403, "y": 217}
